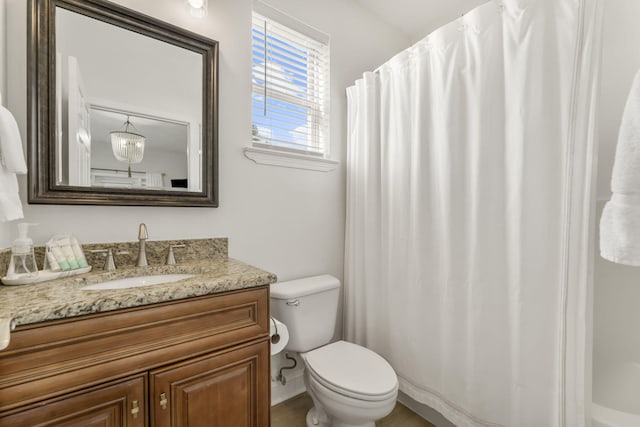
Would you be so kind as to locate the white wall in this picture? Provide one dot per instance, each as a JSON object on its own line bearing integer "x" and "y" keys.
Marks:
{"x": 617, "y": 287}
{"x": 4, "y": 227}
{"x": 617, "y": 314}
{"x": 620, "y": 62}
{"x": 287, "y": 221}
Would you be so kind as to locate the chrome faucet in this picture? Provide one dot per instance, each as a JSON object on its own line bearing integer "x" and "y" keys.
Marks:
{"x": 109, "y": 264}
{"x": 171, "y": 259}
{"x": 142, "y": 239}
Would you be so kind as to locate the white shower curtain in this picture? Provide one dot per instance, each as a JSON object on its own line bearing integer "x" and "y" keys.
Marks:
{"x": 470, "y": 160}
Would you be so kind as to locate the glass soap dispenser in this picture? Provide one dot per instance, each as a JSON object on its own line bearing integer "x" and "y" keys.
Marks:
{"x": 23, "y": 260}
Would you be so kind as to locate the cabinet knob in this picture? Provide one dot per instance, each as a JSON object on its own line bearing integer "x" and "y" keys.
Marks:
{"x": 163, "y": 400}
{"x": 135, "y": 409}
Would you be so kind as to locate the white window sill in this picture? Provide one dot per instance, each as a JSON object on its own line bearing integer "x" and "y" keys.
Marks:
{"x": 266, "y": 156}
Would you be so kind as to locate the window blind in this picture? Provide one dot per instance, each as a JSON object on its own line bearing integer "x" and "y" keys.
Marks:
{"x": 290, "y": 99}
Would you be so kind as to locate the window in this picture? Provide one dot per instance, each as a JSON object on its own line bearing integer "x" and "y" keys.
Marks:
{"x": 290, "y": 73}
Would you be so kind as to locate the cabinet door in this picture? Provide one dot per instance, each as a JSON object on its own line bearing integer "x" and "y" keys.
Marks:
{"x": 224, "y": 389}
{"x": 113, "y": 405}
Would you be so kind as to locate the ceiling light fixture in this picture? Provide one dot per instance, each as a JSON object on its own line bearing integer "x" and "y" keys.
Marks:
{"x": 198, "y": 8}
{"x": 127, "y": 146}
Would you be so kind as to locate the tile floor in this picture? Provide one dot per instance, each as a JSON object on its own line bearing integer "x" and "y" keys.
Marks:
{"x": 292, "y": 413}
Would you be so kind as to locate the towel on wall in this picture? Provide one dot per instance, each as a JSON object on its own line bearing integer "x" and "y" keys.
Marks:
{"x": 10, "y": 143}
{"x": 10, "y": 204}
{"x": 11, "y": 163}
{"x": 620, "y": 222}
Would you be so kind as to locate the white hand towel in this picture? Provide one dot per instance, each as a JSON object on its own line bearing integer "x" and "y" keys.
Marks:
{"x": 11, "y": 162}
{"x": 11, "y": 143}
{"x": 10, "y": 204}
{"x": 620, "y": 222}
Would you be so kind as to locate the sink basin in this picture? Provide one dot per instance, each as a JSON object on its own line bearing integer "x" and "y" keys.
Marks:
{"x": 136, "y": 282}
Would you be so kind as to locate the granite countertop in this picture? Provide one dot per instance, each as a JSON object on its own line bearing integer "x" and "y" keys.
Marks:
{"x": 62, "y": 298}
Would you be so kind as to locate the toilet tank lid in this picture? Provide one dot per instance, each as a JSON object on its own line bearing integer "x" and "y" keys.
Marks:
{"x": 302, "y": 287}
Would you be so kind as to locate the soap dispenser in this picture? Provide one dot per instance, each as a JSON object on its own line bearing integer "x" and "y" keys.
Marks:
{"x": 23, "y": 260}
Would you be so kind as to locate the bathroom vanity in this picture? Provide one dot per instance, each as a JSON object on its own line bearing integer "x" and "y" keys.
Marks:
{"x": 194, "y": 352}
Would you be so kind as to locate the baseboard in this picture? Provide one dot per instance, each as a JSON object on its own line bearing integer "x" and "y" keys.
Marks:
{"x": 424, "y": 411}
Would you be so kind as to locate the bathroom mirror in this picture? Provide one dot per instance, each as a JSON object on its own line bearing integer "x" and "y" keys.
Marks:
{"x": 122, "y": 108}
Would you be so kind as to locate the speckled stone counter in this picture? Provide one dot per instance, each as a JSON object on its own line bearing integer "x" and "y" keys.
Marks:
{"x": 64, "y": 298}
{"x": 125, "y": 254}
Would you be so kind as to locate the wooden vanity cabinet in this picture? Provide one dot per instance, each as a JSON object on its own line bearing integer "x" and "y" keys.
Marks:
{"x": 194, "y": 362}
{"x": 111, "y": 405}
{"x": 217, "y": 390}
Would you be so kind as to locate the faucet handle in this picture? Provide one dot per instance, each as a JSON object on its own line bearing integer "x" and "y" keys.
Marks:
{"x": 109, "y": 264}
{"x": 142, "y": 232}
{"x": 171, "y": 259}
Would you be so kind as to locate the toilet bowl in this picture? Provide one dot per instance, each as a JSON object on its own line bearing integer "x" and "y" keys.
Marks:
{"x": 350, "y": 385}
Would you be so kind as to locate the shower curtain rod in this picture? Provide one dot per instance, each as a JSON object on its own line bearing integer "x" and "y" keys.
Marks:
{"x": 498, "y": 2}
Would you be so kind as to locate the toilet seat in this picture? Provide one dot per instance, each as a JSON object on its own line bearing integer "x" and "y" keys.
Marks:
{"x": 351, "y": 370}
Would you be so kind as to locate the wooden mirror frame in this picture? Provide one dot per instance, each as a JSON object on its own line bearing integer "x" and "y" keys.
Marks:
{"x": 41, "y": 103}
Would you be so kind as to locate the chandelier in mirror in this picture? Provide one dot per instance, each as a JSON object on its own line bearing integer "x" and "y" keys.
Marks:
{"x": 127, "y": 146}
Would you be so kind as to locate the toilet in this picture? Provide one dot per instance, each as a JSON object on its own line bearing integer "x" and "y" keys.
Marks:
{"x": 351, "y": 386}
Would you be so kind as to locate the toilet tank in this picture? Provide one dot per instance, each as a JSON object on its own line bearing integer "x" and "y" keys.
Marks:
{"x": 308, "y": 307}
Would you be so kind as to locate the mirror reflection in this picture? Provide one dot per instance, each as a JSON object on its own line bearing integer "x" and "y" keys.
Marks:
{"x": 128, "y": 108}
{"x": 157, "y": 162}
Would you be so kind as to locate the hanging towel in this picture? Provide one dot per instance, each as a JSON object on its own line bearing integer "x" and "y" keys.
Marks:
{"x": 10, "y": 143}
{"x": 10, "y": 204}
{"x": 11, "y": 163}
{"x": 620, "y": 222}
